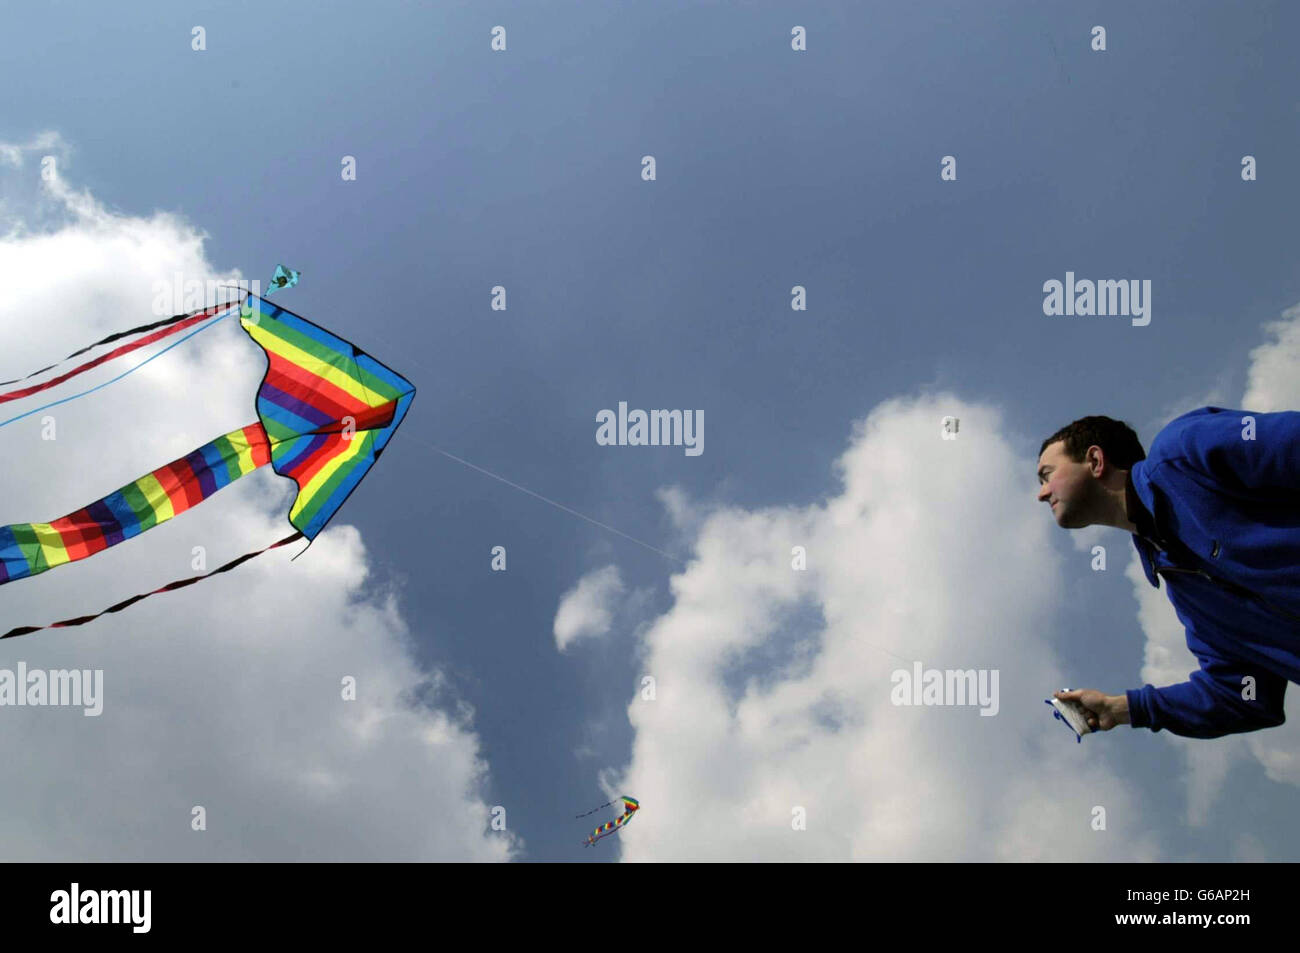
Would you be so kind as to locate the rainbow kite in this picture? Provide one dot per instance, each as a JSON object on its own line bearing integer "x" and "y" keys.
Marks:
{"x": 630, "y": 807}
{"x": 325, "y": 410}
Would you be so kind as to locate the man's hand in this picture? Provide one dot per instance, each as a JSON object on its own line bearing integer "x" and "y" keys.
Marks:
{"x": 1104, "y": 712}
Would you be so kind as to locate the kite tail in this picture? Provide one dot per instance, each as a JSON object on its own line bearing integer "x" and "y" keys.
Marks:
{"x": 30, "y": 548}
{"x": 171, "y": 586}
{"x": 161, "y": 329}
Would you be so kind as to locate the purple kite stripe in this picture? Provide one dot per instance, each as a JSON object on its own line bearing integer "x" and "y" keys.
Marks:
{"x": 109, "y": 524}
{"x": 287, "y": 402}
{"x": 202, "y": 470}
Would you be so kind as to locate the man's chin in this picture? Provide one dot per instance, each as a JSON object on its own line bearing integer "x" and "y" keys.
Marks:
{"x": 1063, "y": 517}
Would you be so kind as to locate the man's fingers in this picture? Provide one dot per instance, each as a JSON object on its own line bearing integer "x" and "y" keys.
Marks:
{"x": 1095, "y": 705}
{"x": 1073, "y": 695}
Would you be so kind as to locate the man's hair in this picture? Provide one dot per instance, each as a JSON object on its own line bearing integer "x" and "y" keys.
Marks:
{"x": 1117, "y": 441}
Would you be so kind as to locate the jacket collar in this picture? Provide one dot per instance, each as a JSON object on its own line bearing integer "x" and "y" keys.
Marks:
{"x": 1147, "y": 539}
{"x": 1137, "y": 512}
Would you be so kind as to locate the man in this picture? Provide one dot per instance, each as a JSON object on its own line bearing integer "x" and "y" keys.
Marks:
{"x": 1215, "y": 510}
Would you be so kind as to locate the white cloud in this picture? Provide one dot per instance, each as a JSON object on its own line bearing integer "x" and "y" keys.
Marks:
{"x": 227, "y": 694}
{"x": 1216, "y": 395}
{"x": 587, "y": 609}
{"x": 773, "y": 685}
{"x": 1089, "y": 536}
{"x": 1273, "y": 382}
{"x": 15, "y": 154}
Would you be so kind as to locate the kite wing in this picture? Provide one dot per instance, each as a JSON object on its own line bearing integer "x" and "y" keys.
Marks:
{"x": 328, "y": 408}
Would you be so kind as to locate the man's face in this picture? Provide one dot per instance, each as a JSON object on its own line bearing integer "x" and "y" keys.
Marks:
{"x": 1068, "y": 487}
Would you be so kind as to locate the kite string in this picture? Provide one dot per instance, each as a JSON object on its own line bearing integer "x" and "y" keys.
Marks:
{"x": 558, "y": 506}
{"x": 601, "y": 808}
{"x": 114, "y": 380}
{"x": 561, "y": 506}
{"x": 523, "y": 489}
{"x": 605, "y": 526}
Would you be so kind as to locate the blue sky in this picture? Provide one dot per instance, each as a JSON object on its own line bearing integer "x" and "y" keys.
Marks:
{"x": 775, "y": 168}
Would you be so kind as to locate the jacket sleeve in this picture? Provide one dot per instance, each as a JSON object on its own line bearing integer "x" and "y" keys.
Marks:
{"x": 1214, "y": 445}
{"x": 1209, "y": 704}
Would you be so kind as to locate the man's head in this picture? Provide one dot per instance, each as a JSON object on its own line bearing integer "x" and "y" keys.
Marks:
{"x": 1082, "y": 470}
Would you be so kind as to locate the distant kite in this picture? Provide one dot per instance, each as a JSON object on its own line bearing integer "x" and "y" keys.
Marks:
{"x": 283, "y": 278}
{"x": 325, "y": 411}
{"x": 630, "y": 807}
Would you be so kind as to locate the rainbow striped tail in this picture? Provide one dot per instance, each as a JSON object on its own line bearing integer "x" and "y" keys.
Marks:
{"x": 30, "y": 548}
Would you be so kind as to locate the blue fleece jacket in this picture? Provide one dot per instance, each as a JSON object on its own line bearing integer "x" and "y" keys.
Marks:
{"x": 1217, "y": 509}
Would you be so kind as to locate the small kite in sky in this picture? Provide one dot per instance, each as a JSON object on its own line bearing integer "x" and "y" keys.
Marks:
{"x": 630, "y": 807}
{"x": 283, "y": 278}
{"x": 325, "y": 412}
